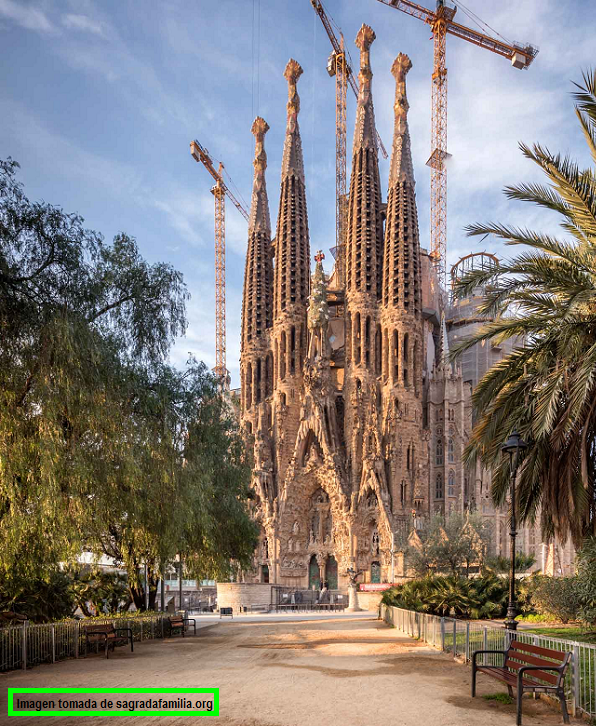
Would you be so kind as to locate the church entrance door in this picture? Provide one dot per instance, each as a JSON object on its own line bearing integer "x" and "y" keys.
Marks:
{"x": 331, "y": 573}
{"x": 375, "y": 572}
{"x": 313, "y": 574}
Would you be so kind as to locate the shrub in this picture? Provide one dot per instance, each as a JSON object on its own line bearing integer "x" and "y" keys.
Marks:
{"x": 39, "y": 598}
{"x": 586, "y": 580}
{"x": 558, "y": 596}
{"x": 452, "y": 595}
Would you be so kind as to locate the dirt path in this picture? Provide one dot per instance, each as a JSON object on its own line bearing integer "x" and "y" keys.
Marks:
{"x": 326, "y": 672}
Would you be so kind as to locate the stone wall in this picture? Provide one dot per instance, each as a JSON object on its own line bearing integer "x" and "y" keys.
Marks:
{"x": 239, "y": 595}
{"x": 370, "y": 600}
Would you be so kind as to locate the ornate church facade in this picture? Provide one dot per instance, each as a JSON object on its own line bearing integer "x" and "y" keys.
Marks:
{"x": 357, "y": 417}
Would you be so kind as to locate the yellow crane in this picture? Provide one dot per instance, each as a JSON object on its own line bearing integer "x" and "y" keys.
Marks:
{"x": 220, "y": 190}
{"x": 338, "y": 66}
{"x": 441, "y": 23}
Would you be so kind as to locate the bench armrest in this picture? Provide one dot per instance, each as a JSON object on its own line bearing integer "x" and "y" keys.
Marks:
{"x": 191, "y": 620}
{"x": 128, "y": 630}
{"x": 476, "y": 653}
{"x": 557, "y": 669}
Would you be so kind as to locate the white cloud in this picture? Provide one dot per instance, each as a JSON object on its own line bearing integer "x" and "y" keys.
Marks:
{"x": 83, "y": 23}
{"x": 27, "y": 16}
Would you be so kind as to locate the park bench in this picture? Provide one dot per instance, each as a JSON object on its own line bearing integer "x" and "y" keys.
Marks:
{"x": 226, "y": 611}
{"x": 108, "y": 636}
{"x": 178, "y": 624}
{"x": 527, "y": 668}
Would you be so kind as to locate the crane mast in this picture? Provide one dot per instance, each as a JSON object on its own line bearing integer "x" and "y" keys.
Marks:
{"x": 220, "y": 190}
{"x": 339, "y": 67}
{"x": 441, "y": 23}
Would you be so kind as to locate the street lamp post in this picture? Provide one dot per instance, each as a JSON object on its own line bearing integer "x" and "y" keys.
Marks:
{"x": 512, "y": 447}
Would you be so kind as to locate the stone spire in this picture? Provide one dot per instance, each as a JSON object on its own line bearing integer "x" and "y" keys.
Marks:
{"x": 401, "y": 274}
{"x": 292, "y": 248}
{"x": 365, "y": 228}
{"x": 365, "y": 131}
{"x": 257, "y": 304}
{"x": 401, "y": 156}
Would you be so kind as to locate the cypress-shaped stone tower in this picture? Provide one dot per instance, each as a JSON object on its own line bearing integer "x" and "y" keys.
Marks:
{"x": 401, "y": 318}
{"x": 292, "y": 277}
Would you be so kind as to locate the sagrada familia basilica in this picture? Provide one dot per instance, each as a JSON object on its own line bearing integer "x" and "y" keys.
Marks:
{"x": 358, "y": 419}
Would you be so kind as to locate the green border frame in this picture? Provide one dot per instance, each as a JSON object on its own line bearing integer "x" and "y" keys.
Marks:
{"x": 12, "y": 691}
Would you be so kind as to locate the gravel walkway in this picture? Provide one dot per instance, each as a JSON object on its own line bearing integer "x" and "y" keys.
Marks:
{"x": 351, "y": 672}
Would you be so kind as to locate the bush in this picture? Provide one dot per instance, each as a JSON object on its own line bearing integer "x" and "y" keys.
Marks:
{"x": 476, "y": 598}
{"x": 558, "y": 596}
{"x": 41, "y": 599}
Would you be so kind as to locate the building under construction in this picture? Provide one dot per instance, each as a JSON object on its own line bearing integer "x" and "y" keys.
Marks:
{"x": 358, "y": 418}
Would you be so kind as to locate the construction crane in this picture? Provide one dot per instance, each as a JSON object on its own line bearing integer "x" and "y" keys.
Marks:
{"x": 220, "y": 190}
{"x": 441, "y": 22}
{"x": 338, "y": 66}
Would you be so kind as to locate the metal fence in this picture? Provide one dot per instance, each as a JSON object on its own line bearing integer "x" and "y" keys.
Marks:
{"x": 26, "y": 645}
{"x": 463, "y": 637}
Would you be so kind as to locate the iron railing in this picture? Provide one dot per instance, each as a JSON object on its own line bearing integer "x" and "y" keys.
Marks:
{"x": 26, "y": 645}
{"x": 463, "y": 637}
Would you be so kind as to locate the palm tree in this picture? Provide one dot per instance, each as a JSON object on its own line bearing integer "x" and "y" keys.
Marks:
{"x": 545, "y": 299}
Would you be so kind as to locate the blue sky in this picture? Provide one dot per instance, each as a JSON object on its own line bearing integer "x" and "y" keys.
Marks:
{"x": 100, "y": 100}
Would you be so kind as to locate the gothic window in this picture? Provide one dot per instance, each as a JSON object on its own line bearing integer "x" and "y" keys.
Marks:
{"x": 372, "y": 501}
{"x": 357, "y": 339}
{"x": 386, "y": 354}
{"x": 405, "y": 358}
{"x": 293, "y": 350}
{"x": 439, "y": 453}
{"x": 258, "y": 378}
{"x": 348, "y": 337}
{"x": 451, "y": 451}
{"x": 439, "y": 486}
{"x": 408, "y": 462}
{"x": 249, "y": 386}
{"x": 403, "y": 493}
{"x": 451, "y": 484}
{"x": 378, "y": 351}
{"x": 265, "y": 548}
{"x": 282, "y": 356}
{"x": 367, "y": 341}
{"x": 395, "y": 356}
{"x": 269, "y": 373}
{"x": 414, "y": 364}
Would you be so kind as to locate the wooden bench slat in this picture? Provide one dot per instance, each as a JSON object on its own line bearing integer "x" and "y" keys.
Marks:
{"x": 510, "y": 678}
{"x": 555, "y": 654}
{"x": 542, "y": 675}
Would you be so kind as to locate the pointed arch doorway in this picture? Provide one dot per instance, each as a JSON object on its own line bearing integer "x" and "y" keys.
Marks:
{"x": 314, "y": 578}
{"x": 331, "y": 573}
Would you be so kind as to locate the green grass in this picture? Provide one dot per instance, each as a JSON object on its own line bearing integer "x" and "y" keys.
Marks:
{"x": 500, "y": 697}
{"x": 571, "y": 632}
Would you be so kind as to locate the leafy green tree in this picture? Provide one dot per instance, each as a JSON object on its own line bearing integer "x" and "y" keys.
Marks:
{"x": 103, "y": 446}
{"x": 546, "y": 387}
{"x": 450, "y": 544}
